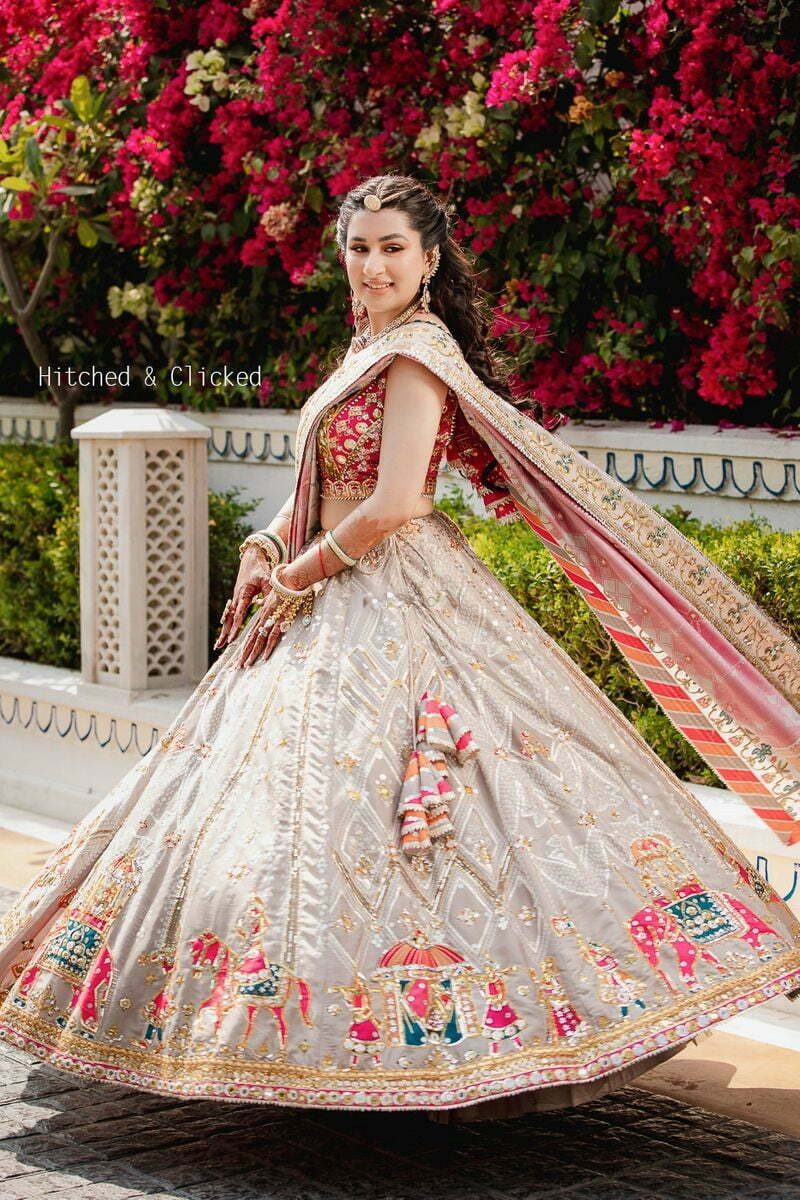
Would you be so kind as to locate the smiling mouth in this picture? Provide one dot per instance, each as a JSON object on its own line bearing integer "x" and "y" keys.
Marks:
{"x": 377, "y": 287}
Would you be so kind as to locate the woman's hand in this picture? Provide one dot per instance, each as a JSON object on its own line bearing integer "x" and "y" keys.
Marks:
{"x": 252, "y": 580}
{"x": 255, "y": 645}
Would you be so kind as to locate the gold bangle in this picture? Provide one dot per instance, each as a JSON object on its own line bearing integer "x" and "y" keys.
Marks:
{"x": 271, "y": 543}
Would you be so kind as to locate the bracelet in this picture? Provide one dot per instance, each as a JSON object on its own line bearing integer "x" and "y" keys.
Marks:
{"x": 271, "y": 543}
{"x": 282, "y": 588}
{"x": 337, "y": 549}
{"x": 284, "y": 613}
{"x": 269, "y": 548}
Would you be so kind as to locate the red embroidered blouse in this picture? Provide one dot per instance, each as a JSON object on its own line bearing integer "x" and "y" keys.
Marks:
{"x": 349, "y": 443}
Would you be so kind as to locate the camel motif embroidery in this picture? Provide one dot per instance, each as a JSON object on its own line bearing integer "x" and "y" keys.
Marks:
{"x": 686, "y": 917}
{"x": 77, "y": 949}
{"x": 249, "y": 981}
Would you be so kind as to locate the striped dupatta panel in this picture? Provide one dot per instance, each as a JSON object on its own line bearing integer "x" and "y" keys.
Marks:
{"x": 725, "y": 674}
{"x": 715, "y": 736}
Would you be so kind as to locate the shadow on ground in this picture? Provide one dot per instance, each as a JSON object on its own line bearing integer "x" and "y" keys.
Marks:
{"x": 61, "y": 1137}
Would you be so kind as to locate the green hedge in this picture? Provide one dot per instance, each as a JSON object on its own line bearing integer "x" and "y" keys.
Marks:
{"x": 764, "y": 561}
{"x": 39, "y": 584}
{"x": 39, "y": 609}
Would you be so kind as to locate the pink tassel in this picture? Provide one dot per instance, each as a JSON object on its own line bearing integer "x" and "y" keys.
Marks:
{"x": 424, "y": 807}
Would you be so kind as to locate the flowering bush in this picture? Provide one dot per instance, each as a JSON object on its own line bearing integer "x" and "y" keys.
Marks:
{"x": 626, "y": 177}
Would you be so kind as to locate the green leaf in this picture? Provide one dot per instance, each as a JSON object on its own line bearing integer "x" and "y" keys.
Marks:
{"x": 104, "y": 234}
{"x": 584, "y": 48}
{"x": 75, "y": 189}
{"x": 633, "y": 266}
{"x": 62, "y": 255}
{"x": 58, "y": 122}
{"x": 80, "y": 94}
{"x": 33, "y": 158}
{"x": 87, "y": 235}
{"x": 314, "y": 198}
{"x": 241, "y": 222}
{"x": 15, "y": 183}
{"x": 208, "y": 231}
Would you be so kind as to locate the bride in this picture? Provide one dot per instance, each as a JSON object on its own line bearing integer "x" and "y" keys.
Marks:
{"x": 396, "y": 851}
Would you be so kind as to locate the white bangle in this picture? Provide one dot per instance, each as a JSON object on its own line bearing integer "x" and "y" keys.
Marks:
{"x": 282, "y": 588}
{"x": 330, "y": 540}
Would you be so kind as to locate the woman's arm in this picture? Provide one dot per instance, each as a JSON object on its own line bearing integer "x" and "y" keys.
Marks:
{"x": 412, "y": 409}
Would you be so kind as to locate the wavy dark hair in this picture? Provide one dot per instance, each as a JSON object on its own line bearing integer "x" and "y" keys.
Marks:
{"x": 455, "y": 291}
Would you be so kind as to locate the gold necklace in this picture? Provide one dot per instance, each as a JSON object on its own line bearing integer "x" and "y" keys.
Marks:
{"x": 360, "y": 340}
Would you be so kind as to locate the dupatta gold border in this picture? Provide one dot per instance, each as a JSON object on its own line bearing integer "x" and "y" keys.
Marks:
{"x": 631, "y": 520}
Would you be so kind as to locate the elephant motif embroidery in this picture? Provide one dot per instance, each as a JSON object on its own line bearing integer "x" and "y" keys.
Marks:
{"x": 687, "y": 917}
{"x": 77, "y": 949}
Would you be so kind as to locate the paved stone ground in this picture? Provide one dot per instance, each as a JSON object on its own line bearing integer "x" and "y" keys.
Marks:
{"x": 60, "y": 1137}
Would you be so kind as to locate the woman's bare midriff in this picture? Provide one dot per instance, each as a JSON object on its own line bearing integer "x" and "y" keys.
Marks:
{"x": 332, "y": 511}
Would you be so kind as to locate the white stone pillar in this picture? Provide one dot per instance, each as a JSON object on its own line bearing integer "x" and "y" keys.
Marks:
{"x": 143, "y": 549}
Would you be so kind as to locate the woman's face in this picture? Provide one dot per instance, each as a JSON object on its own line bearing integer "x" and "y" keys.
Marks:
{"x": 385, "y": 262}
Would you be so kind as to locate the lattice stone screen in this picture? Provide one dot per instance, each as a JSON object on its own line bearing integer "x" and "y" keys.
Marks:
{"x": 143, "y": 549}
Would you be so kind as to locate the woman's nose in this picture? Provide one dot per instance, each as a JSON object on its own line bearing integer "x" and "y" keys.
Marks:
{"x": 373, "y": 267}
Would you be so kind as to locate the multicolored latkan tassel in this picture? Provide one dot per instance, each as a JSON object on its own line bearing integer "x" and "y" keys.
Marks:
{"x": 424, "y": 807}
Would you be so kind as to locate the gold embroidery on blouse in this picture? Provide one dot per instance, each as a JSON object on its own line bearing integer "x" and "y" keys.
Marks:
{"x": 333, "y": 473}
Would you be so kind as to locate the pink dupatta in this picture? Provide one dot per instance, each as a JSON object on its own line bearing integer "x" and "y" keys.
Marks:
{"x": 724, "y": 673}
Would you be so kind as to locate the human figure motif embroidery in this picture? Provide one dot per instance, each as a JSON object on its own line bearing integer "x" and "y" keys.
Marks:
{"x": 500, "y": 1020}
{"x": 566, "y": 1023}
{"x": 364, "y": 1034}
{"x": 615, "y": 985}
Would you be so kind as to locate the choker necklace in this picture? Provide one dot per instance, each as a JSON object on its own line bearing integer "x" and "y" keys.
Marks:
{"x": 360, "y": 340}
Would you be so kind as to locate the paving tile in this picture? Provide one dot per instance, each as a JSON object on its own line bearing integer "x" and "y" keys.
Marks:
{"x": 63, "y": 1138}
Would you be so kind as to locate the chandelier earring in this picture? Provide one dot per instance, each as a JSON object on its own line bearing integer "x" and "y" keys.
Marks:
{"x": 426, "y": 295}
{"x": 359, "y": 310}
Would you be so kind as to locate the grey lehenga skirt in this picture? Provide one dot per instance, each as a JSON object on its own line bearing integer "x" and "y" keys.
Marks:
{"x": 242, "y": 917}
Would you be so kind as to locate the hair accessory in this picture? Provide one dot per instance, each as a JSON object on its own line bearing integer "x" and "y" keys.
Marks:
{"x": 372, "y": 202}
